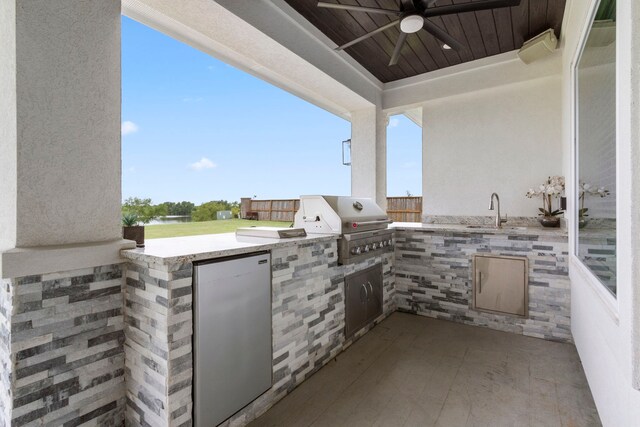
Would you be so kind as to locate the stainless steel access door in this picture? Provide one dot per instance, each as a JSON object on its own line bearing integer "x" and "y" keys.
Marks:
{"x": 500, "y": 284}
{"x": 232, "y": 335}
{"x": 363, "y": 298}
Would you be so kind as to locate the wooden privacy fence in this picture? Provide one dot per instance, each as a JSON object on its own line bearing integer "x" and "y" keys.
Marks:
{"x": 404, "y": 209}
{"x": 269, "y": 210}
{"x": 399, "y": 209}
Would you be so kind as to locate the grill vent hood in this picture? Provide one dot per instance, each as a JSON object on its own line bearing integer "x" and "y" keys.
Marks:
{"x": 339, "y": 215}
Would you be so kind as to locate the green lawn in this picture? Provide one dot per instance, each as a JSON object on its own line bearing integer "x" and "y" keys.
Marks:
{"x": 205, "y": 227}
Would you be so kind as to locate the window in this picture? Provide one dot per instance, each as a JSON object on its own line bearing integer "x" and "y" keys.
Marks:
{"x": 595, "y": 84}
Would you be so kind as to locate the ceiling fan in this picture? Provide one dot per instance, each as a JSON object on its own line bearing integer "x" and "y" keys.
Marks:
{"x": 413, "y": 17}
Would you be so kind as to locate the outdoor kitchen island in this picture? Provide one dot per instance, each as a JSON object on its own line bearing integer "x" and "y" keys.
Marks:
{"x": 434, "y": 273}
{"x": 308, "y": 307}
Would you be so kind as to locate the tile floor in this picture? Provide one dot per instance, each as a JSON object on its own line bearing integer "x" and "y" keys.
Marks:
{"x": 415, "y": 371}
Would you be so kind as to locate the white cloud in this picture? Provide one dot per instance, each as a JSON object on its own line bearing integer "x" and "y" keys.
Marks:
{"x": 201, "y": 164}
{"x": 394, "y": 122}
{"x": 128, "y": 128}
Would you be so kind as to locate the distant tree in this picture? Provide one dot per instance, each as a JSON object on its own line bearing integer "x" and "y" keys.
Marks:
{"x": 143, "y": 209}
{"x": 180, "y": 208}
{"x": 207, "y": 211}
{"x": 235, "y": 209}
{"x": 184, "y": 208}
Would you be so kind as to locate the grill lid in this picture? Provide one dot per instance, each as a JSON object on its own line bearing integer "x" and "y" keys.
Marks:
{"x": 339, "y": 215}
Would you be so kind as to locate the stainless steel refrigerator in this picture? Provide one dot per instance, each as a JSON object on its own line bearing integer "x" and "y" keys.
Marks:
{"x": 232, "y": 335}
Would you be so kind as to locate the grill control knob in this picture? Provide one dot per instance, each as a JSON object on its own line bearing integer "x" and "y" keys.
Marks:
{"x": 358, "y": 250}
{"x": 354, "y": 251}
{"x": 374, "y": 246}
{"x": 366, "y": 248}
{"x": 390, "y": 242}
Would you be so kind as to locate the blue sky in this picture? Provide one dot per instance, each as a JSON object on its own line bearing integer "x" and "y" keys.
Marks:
{"x": 197, "y": 129}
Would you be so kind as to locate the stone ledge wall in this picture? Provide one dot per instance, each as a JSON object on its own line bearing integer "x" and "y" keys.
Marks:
{"x": 5, "y": 352}
{"x": 434, "y": 278}
{"x": 158, "y": 330}
{"x": 62, "y": 348}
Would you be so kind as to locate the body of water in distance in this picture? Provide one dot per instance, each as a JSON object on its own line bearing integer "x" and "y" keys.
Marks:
{"x": 170, "y": 219}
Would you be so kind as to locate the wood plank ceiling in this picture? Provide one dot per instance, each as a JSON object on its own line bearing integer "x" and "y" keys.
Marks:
{"x": 485, "y": 33}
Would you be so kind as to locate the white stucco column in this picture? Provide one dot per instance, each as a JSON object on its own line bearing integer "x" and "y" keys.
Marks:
{"x": 59, "y": 125}
{"x": 369, "y": 154}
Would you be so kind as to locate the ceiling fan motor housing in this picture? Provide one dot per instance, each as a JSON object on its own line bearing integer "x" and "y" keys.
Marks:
{"x": 411, "y": 23}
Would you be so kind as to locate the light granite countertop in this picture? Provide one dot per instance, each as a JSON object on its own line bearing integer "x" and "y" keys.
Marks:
{"x": 195, "y": 248}
{"x": 483, "y": 229}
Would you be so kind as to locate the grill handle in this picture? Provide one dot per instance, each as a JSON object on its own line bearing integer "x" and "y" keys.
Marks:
{"x": 357, "y": 224}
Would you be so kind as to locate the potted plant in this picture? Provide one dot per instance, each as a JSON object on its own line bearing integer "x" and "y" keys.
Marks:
{"x": 136, "y": 213}
{"x": 551, "y": 189}
{"x": 131, "y": 230}
{"x": 584, "y": 190}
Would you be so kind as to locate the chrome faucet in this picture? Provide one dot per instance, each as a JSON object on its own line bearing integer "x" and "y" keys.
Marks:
{"x": 499, "y": 221}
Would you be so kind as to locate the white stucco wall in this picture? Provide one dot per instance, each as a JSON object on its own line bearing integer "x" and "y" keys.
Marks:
{"x": 8, "y": 126}
{"x": 607, "y": 330}
{"x": 68, "y": 122}
{"x": 369, "y": 155}
{"x": 504, "y": 139}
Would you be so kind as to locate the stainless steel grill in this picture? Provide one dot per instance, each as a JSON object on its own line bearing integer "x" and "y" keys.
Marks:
{"x": 360, "y": 222}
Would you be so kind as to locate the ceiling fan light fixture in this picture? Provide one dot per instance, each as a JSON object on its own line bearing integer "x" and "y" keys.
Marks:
{"x": 411, "y": 24}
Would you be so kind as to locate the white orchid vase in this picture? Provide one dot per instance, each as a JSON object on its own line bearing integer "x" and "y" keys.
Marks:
{"x": 549, "y": 191}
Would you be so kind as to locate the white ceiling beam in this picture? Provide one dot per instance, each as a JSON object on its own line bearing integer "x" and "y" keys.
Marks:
{"x": 211, "y": 28}
{"x": 468, "y": 77}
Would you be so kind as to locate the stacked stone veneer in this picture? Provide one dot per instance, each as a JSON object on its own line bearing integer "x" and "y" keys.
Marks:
{"x": 5, "y": 352}
{"x": 61, "y": 344}
{"x": 434, "y": 278}
{"x": 159, "y": 330}
{"x": 308, "y": 328}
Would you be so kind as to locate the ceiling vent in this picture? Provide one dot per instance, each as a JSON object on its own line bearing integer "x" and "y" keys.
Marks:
{"x": 538, "y": 47}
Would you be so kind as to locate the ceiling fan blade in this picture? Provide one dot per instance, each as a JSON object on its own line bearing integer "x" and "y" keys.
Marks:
{"x": 358, "y": 8}
{"x": 442, "y": 35}
{"x": 408, "y": 6}
{"x": 469, "y": 7}
{"x": 427, "y": 3}
{"x": 396, "y": 51}
{"x": 366, "y": 36}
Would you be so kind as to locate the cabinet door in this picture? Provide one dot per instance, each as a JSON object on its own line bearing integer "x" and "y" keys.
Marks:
{"x": 500, "y": 284}
{"x": 356, "y": 303}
